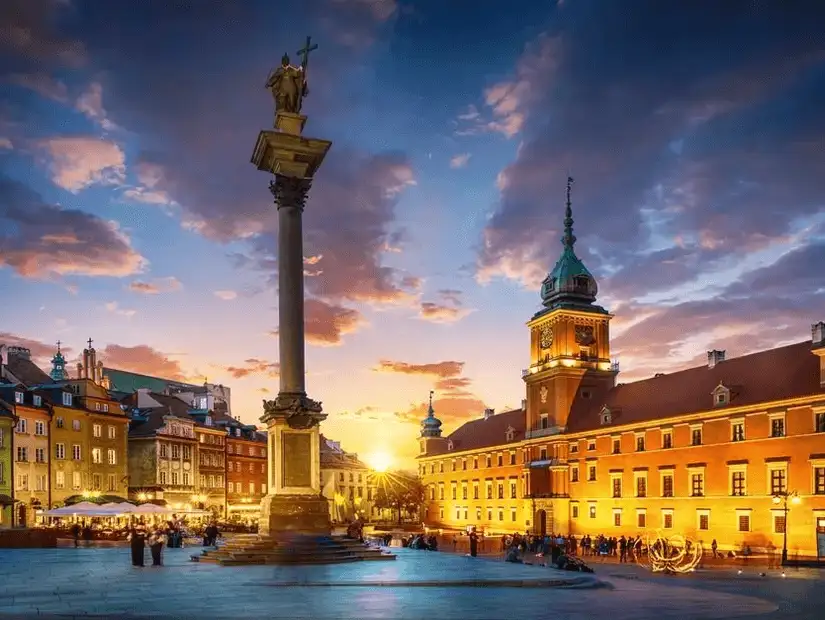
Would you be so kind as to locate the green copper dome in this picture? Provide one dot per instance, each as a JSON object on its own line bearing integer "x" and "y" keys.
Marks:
{"x": 431, "y": 425}
{"x": 569, "y": 284}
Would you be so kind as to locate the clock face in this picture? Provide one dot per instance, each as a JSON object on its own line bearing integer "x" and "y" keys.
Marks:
{"x": 545, "y": 336}
{"x": 584, "y": 335}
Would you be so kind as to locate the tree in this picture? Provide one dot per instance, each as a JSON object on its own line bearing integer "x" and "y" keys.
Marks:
{"x": 399, "y": 493}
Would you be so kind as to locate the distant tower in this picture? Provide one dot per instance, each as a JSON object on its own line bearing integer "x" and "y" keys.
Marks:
{"x": 430, "y": 429}
{"x": 58, "y": 372}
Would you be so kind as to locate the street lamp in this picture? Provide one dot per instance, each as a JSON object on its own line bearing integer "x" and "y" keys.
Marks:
{"x": 782, "y": 498}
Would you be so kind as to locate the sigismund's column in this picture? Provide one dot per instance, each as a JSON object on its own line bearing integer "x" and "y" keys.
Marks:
{"x": 294, "y": 504}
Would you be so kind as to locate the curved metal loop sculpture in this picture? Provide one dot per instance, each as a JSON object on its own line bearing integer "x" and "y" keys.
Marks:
{"x": 668, "y": 554}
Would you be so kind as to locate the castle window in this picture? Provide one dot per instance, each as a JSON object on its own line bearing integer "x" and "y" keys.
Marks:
{"x": 586, "y": 394}
{"x": 591, "y": 444}
{"x": 450, "y": 447}
{"x": 640, "y": 442}
{"x": 617, "y": 445}
{"x": 667, "y": 439}
{"x": 777, "y": 425}
{"x": 737, "y": 430}
{"x": 510, "y": 434}
{"x": 574, "y": 448}
{"x": 67, "y": 399}
{"x": 819, "y": 423}
{"x": 544, "y": 421}
{"x": 696, "y": 436}
{"x": 38, "y": 401}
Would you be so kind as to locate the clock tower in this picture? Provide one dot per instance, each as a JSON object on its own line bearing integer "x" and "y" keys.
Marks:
{"x": 569, "y": 341}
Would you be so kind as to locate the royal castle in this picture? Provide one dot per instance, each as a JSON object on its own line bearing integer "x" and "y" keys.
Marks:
{"x": 733, "y": 450}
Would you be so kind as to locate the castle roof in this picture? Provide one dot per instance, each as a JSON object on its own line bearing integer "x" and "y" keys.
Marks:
{"x": 483, "y": 433}
{"x": 775, "y": 374}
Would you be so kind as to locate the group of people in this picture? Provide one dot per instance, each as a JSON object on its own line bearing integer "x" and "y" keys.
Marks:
{"x": 427, "y": 542}
{"x": 138, "y": 540}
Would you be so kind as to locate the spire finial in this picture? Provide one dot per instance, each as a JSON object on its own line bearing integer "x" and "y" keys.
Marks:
{"x": 430, "y": 411}
{"x": 569, "y": 239}
{"x": 90, "y": 343}
{"x": 58, "y": 346}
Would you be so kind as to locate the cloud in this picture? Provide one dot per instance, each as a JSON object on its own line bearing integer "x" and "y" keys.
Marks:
{"x": 42, "y": 241}
{"x": 326, "y": 324}
{"x": 114, "y": 308}
{"x": 142, "y": 359}
{"x": 511, "y": 101}
{"x": 90, "y": 103}
{"x": 701, "y": 164}
{"x": 353, "y": 23}
{"x": 149, "y": 177}
{"x": 459, "y": 161}
{"x": 41, "y": 83}
{"x": 5, "y": 143}
{"x": 41, "y": 352}
{"x": 79, "y": 162}
{"x": 254, "y": 366}
{"x": 27, "y": 31}
{"x": 156, "y": 286}
{"x": 226, "y": 295}
{"x": 436, "y": 369}
{"x": 449, "y": 308}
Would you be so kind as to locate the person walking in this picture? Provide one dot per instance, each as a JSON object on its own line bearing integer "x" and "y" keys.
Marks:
{"x": 137, "y": 543}
{"x": 76, "y": 535}
{"x": 473, "y": 543}
{"x": 713, "y": 547}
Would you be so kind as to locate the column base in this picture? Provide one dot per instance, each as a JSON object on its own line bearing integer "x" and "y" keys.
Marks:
{"x": 286, "y": 516}
{"x": 298, "y": 410}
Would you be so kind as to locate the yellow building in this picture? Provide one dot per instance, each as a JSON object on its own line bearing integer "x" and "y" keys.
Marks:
{"x": 732, "y": 451}
{"x": 88, "y": 430}
{"x": 30, "y": 452}
{"x": 347, "y": 483}
{"x": 7, "y": 423}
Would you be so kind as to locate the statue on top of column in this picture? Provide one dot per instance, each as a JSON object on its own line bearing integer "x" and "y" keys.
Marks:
{"x": 288, "y": 83}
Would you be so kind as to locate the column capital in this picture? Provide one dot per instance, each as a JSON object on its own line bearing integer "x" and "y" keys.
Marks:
{"x": 290, "y": 191}
{"x": 297, "y": 409}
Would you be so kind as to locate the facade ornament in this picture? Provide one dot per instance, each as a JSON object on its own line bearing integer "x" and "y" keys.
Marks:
{"x": 543, "y": 394}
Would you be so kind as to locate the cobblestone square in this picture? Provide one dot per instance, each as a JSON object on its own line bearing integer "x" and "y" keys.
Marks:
{"x": 101, "y": 583}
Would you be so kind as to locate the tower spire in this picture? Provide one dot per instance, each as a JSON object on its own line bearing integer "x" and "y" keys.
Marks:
{"x": 430, "y": 412}
{"x": 569, "y": 239}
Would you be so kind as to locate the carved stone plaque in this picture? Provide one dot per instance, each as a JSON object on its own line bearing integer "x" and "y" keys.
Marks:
{"x": 296, "y": 457}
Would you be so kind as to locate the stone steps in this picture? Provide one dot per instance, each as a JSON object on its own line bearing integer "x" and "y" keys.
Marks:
{"x": 301, "y": 550}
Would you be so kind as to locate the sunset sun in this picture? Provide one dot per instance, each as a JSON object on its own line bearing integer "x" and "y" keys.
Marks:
{"x": 379, "y": 461}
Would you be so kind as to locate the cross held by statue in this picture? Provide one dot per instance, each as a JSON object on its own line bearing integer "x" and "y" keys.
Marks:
{"x": 308, "y": 47}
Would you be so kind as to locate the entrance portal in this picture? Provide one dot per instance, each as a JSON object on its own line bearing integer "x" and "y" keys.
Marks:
{"x": 820, "y": 537}
{"x": 21, "y": 515}
{"x": 541, "y": 523}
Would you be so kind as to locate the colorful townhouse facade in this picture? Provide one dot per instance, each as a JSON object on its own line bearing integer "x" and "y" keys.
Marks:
{"x": 246, "y": 468}
{"x": 8, "y": 421}
{"x": 732, "y": 451}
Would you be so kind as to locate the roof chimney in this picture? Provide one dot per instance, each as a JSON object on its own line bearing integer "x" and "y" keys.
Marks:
{"x": 524, "y": 404}
{"x": 818, "y": 335}
{"x": 714, "y": 357}
{"x": 489, "y": 413}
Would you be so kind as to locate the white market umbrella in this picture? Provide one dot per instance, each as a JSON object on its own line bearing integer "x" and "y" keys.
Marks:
{"x": 150, "y": 509}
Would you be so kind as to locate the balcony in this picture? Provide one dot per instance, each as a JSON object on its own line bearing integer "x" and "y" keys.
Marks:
{"x": 544, "y": 432}
{"x": 547, "y": 496}
{"x": 542, "y": 463}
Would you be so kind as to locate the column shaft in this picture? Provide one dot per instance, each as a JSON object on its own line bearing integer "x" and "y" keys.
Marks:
{"x": 290, "y": 194}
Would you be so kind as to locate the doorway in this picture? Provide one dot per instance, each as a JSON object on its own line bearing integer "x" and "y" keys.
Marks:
{"x": 541, "y": 523}
{"x": 21, "y": 515}
{"x": 820, "y": 537}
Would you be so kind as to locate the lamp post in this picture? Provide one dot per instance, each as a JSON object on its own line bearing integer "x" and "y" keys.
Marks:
{"x": 782, "y": 498}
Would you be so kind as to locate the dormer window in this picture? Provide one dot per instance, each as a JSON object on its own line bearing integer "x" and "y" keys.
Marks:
{"x": 606, "y": 416}
{"x": 450, "y": 447}
{"x": 38, "y": 400}
{"x": 67, "y": 399}
{"x": 580, "y": 282}
{"x": 721, "y": 395}
{"x": 208, "y": 420}
{"x": 18, "y": 398}
{"x": 510, "y": 434}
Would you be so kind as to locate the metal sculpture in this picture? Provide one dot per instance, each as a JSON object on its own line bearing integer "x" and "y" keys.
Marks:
{"x": 668, "y": 554}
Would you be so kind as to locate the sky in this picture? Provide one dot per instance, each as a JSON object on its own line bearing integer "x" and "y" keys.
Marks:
{"x": 130, "y": 212}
